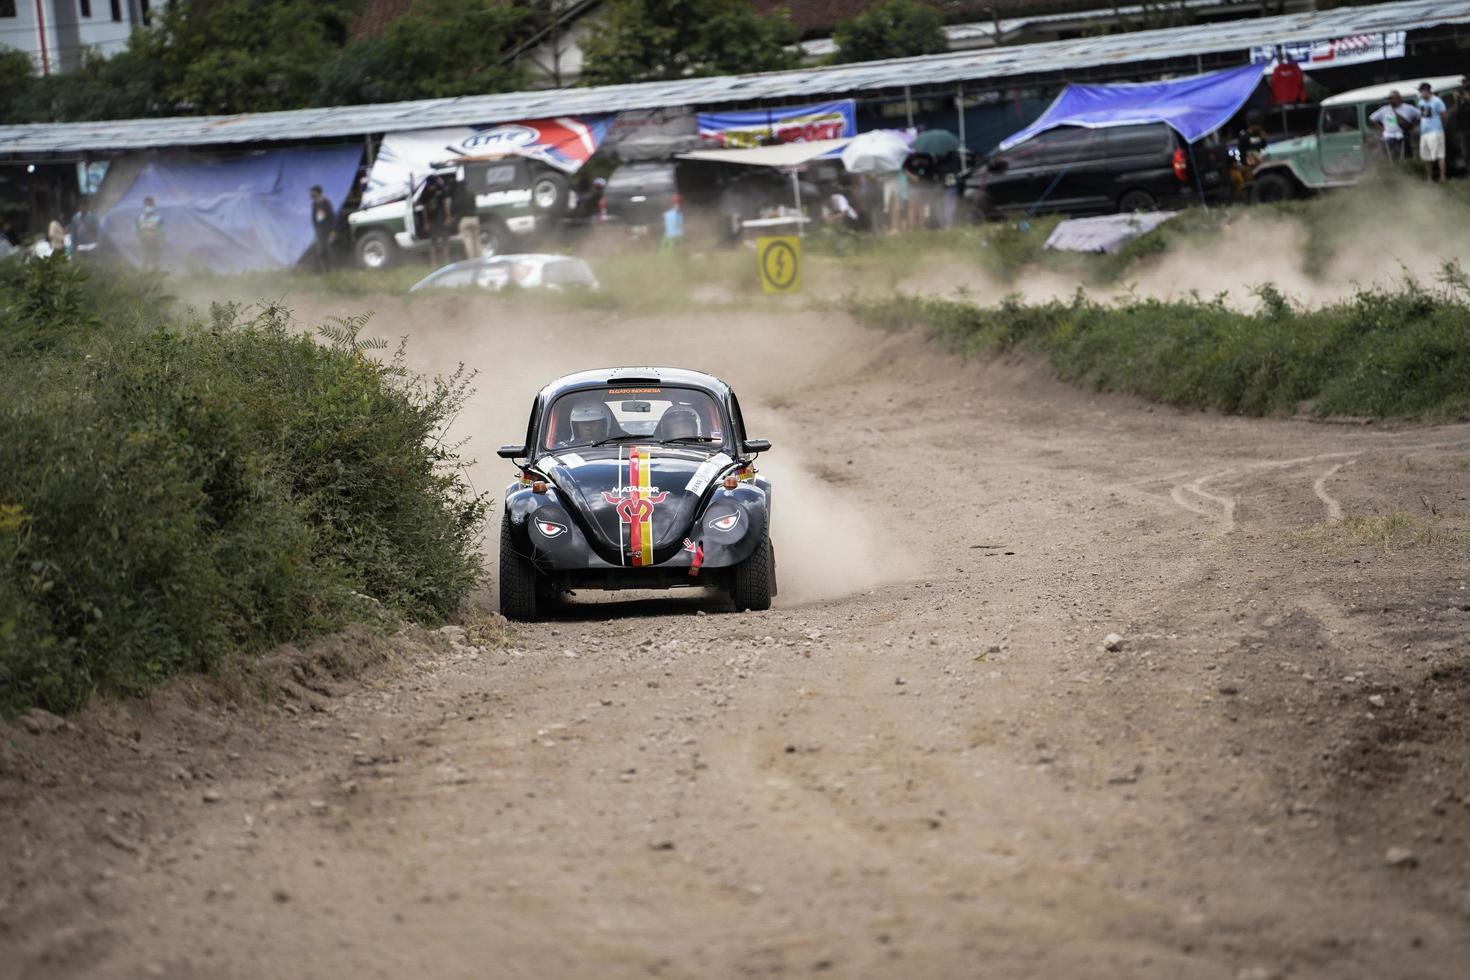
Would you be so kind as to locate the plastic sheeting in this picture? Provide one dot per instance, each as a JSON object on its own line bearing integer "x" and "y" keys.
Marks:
{"x": 1194, "y": 107}
{"x": 1105, "y": 233}
{"x": 235, "y": 214}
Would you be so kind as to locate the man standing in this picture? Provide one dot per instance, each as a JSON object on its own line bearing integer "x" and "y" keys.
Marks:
{"x": 324, "y": 225}
{"x": 436, "y": 204}
{"x": 150, "y": 234}
{"x": 469, "y": 217}
{"x": 1459, "y": 120}
{"x": 1431, "y": 131}
{"x": 1393, "y": 121}
{"x": 85, "y": 233}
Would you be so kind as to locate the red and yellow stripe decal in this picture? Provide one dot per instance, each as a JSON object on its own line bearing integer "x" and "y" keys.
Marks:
{"x": 640, "y": 529}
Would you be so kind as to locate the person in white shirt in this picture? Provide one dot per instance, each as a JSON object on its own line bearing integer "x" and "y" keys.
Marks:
{"x": 1393, "y": 122}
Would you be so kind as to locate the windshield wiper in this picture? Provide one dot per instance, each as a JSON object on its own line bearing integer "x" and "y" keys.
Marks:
{"x": 604, "y": 442}
{"x": 693, "y": 439}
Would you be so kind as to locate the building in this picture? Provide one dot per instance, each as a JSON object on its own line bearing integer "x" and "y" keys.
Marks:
{"x": 58, "y": 34}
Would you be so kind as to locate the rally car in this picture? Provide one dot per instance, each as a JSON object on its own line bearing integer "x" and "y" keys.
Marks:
{"x": 635, "y": 478}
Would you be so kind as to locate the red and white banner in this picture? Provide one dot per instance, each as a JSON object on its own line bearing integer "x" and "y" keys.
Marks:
{"x": 406, "y": 158}
{"x": 1353, "y": 50}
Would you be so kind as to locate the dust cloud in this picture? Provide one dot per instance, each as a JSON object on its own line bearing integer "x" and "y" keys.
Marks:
{"x": 827, "y": 544}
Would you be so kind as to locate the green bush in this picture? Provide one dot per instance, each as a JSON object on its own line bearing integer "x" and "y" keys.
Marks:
{"x": 1403, "y": 352}
{"x": 173, "y": 492}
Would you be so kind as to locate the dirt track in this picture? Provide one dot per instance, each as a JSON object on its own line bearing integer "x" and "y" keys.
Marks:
{"x": 923, "y": 764}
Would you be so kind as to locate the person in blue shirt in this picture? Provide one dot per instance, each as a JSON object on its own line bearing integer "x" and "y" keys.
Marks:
{"x": 673, "y": 225}
{"x": 85, "y": 232}
{"x": 1431, "y": 131}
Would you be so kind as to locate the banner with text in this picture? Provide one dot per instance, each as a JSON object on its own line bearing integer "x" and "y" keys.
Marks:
{"x": 1353, "y": 50}
{"x": 792, "y": 124}
{"x": 406, "y": 158}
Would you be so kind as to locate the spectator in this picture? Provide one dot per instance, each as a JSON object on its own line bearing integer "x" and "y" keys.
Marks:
{"x": 837, "y": 209}
{"x": 85, "y": 232}
{"x": 468, "y": 214}
{"x": 435, "y": 201}
{"x": 1393, "y": 121}
{"x": 324, "y": 225}
{"x": 56, "y": 235}
{"x": 673, "y": 225}
{"x": 1431, "y": 131}
{"x": 1459, "y": 120}
{"x": 150, "y": 234}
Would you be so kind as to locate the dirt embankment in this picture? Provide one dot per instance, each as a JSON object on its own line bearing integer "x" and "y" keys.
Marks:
{"x": 924, "y": 760}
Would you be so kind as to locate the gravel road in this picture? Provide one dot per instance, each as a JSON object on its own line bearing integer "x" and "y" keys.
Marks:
{"x": 926, "y": 762}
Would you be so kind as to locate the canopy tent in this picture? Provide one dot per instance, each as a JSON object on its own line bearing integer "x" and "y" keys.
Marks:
{"x": 232, "y": 214}
{"x": 783, "y": 156}
{"x": 1193, "y": 107}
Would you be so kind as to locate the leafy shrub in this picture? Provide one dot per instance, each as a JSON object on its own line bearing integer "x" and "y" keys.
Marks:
{"x": 1402, "y": 352}
{"x": 173, "y": 492}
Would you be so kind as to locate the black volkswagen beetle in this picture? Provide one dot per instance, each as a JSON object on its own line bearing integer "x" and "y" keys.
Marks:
{"x": 635, "y": 478}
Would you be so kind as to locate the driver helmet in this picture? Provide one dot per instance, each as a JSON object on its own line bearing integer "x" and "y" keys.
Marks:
{"x": 590, "y": 422}
{"x": 680, "y": 423}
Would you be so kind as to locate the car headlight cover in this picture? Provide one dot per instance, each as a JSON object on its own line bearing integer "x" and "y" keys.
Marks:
{"x": 549, "y": 529}
{"x": 727, "y": 522}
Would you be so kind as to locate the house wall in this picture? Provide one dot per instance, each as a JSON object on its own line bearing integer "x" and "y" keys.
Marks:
{"x": 58, "y": 33}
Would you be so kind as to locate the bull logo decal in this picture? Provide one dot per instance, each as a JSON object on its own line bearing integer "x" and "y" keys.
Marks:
{"x": 632, "y": 505}
{"x": 635, "y": 501}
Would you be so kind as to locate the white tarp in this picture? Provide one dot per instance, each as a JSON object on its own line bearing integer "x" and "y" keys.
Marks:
{"x": 779, "y": 155}
{"x": 1105, "y": 233}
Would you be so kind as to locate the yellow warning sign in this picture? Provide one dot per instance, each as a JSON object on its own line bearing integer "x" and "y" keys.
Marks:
{"x": 780, "y": 263}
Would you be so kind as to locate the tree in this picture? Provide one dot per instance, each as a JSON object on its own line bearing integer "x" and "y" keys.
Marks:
{"x": 890, "y": 29}
{"x": 439, "y": 48}
{"x": 655, "y": 40}
{"x": 124, "y": 86}
{"x": 226, "y": 56}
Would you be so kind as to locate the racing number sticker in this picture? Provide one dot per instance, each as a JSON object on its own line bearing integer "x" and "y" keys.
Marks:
{"x": 780, "y": 263}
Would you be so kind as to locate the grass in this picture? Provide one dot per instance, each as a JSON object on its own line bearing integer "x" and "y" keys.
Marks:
{"x": 1403, "y": 352}
{"x": 177, "y": 492}
{"x": 1391, "y": 534}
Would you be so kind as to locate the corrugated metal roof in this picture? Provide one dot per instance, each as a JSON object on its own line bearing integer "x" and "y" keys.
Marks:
{"x": 988, "y": 64}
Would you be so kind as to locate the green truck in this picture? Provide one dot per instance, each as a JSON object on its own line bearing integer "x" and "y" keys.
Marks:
{"x": 1342, "y": 149}
{"x": 517, "y": 200}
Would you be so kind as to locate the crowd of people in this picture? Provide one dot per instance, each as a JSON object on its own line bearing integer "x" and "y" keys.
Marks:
{"x": 1422, "y": 128}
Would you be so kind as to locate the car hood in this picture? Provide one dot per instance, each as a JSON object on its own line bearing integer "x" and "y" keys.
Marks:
{"x": 635, "y": 502}
{"x": 1286, "y": 148}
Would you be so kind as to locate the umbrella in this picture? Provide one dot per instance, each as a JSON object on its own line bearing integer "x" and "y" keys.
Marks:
{"x": 935, "y": 142}
{"x": 881, "y": 151}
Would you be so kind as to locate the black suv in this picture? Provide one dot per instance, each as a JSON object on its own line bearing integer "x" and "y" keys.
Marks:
{"x": 1075, "y": 170}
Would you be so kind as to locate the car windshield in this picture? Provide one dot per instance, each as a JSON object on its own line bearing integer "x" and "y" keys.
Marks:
{"x": 633, "y": 413}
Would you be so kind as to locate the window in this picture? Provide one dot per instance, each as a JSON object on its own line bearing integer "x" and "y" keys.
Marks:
{"x": 1340, "y": 119}
{"x": 117, "y": 10}
{"x": 1128, "y": 141}
{"x": 7, "y": 8}
{"x": 1059, "y": 147}
{"x": 632, "y": 413}
{"x": 86, "y": 6}
{"x": 497, "y": 176}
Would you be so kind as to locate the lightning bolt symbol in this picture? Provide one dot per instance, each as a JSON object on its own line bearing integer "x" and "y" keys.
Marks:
{"x": 781, "y": 265}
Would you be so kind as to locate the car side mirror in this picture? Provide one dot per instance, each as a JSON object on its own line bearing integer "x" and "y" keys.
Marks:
{"x": 757, "y": 445}
{"x": 510, "y": 452}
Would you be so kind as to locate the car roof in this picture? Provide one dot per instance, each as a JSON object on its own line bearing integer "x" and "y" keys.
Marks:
{"x": 1408, "y": 88}
{"x": 604, "y": 377}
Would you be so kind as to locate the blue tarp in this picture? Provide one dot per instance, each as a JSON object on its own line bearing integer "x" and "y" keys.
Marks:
{"x": 232, "y": 214}
{"x": 1195, "y": 106}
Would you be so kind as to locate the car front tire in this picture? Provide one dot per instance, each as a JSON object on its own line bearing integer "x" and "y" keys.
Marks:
{"x": 520, "y": 586}
{"x": 375, "y": 250}
{"x": 1272, "y": 187}
{"x": 753, "y": 581}
{"x": 1137, "y": 201}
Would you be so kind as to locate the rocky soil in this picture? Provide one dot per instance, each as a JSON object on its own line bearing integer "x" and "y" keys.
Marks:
{"x": 1062, "y": 685}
